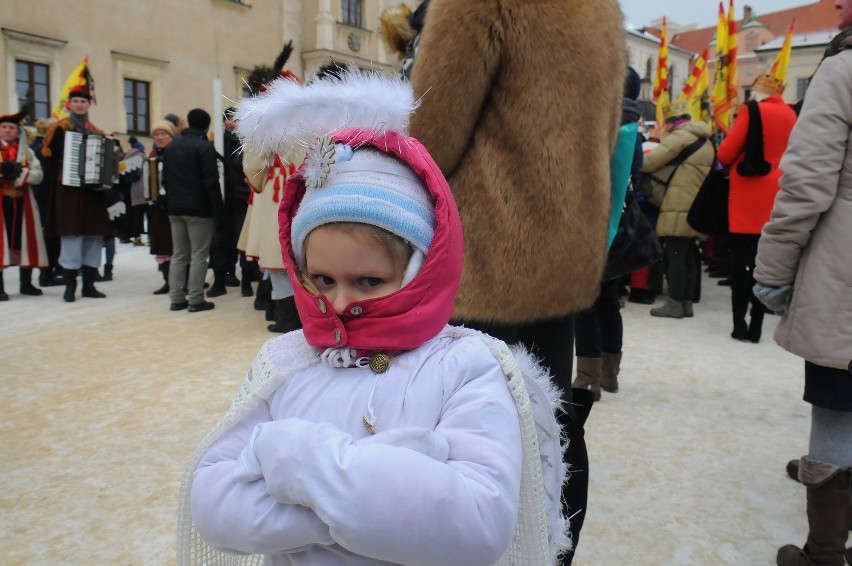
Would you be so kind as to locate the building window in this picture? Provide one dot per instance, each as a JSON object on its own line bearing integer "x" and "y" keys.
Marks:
{"x": 136, "y": 106}
{"x": 352, "y": 12}
{"x": 33, "y": 78}
{"x": 801, "y": 88}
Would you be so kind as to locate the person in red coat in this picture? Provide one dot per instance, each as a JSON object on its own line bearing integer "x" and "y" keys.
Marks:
{"x": 752, "y": 150}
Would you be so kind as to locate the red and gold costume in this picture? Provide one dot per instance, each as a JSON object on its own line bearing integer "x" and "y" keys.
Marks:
{"x": 21, "y": 233}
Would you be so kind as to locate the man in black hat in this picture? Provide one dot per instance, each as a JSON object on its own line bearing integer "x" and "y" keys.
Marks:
{"x": 20, "y": 226}
{"x": 77, "y": 214}
{"x": 194, "y": 204}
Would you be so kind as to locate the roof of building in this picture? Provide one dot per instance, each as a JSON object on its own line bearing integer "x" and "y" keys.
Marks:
{"x": 818, "y": 16}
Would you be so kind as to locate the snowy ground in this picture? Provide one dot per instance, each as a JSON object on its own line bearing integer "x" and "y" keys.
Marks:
{"x": 105, "y": 400}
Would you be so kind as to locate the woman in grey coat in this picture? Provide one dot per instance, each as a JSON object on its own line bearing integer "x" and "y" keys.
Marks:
{"x": 804, "y": 272}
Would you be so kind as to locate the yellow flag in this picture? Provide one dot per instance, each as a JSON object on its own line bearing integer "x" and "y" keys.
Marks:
{"x": 78, "y": 77}
{"x": 782, "y": 60}
{"x": 733, "y": 74}
{"x": 721, "y": 102}
{"x": 661, "y": 77}
{"x": 695, "y": 89}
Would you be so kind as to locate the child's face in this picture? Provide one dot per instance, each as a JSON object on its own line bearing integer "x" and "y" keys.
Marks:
{"x": 348, "y": 266}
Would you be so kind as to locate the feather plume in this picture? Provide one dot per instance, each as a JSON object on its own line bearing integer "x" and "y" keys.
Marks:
{"x": 289, "y": 114}
{"x": 282, "y": 58}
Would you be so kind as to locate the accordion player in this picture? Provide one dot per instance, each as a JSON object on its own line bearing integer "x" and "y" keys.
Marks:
{"x": 89, "y": 161}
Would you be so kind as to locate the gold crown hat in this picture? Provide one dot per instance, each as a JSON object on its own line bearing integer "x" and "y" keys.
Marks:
{"x": 769, "y": 85}
{"x": 676, "y": 108}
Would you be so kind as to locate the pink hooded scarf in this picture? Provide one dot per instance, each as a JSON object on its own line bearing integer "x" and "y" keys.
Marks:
{"x": 419, "y": 310}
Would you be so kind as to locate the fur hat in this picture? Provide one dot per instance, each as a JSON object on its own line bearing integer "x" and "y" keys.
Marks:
{"x": 198, "y": 119}
{"x": 768, "y": 84}
{"x": 163, "y": 126}
{"x": 395, "y": 29}
{"x": 44, "y": 124}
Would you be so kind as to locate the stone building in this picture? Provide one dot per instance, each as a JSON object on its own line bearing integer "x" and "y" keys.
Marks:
{"x": 152, "y": 57}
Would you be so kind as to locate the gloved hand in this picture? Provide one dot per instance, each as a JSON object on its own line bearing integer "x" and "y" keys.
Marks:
{"x": 10, "y": 170}
{"x": 776, "y": 299}
{"x": 116, "y": 210}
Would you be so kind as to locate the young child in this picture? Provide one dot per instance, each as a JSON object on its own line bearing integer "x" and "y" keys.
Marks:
{"x": 378, "y": 434}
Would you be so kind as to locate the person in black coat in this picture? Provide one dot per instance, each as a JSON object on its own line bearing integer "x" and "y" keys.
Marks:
{"x": 194, "y": 203}
{"x": 223, "y": 251}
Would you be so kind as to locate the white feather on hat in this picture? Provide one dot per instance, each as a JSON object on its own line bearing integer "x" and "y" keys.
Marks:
{"x": 290, "y": 114}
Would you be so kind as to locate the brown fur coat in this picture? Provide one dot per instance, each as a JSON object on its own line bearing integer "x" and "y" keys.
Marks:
{"x": 521, "y": 106}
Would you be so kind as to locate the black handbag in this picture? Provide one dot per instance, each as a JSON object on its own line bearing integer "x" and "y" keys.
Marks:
{"x": 635, "y": 244}
{"x": 708, "y": 213}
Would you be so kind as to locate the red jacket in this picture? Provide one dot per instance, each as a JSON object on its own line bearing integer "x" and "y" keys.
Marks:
{"x": 752, "y": 198}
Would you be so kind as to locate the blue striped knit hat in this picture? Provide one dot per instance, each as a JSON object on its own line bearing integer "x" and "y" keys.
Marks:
{"x": 367, "y": 186}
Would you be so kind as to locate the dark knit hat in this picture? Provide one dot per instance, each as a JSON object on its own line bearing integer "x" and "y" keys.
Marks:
{"x": 81, "y": 91}
{"x": 173, "y": 118}
{"x": 632, "y": 84}
{"x": 198, "y": 119}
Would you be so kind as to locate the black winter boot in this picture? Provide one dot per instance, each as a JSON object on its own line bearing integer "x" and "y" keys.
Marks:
{"x": 47, "y": 278}
{"x": 164, "y": 269}
{"x": 263, "y": 296}
{"x": 27, "y": 287}
{"x": 107, "y": 272}
{"x": 245, "y": 284}
{"x": 755, "y": 325}
{"x": 89, "y": 277}
{"x": 218, "y": 288}
{"x": 286, "y": 316}
{"x": 3, "y": 295}
{"x": 70, "y": 278}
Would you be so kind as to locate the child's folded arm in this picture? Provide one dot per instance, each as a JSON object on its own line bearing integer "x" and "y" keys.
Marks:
{"x": 396, "y": 504}
{"x": 241, "y": 517}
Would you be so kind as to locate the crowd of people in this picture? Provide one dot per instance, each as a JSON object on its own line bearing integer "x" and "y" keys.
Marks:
{"x": 369, "y": 260}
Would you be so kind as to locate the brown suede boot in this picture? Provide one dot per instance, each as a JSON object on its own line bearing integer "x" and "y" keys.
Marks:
{"x": 828, "y": 516}
{"x": 589, "y": 375}
{"x": 610, "y": 364}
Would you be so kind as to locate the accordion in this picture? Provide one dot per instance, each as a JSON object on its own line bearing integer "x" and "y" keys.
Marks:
{"x": 89, "y": 161}
{"x": 152, "y": 175}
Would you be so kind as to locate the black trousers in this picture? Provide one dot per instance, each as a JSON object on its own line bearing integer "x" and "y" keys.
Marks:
{"x": 599, "y": 328}
{"x": 743, "y": 254}
{"x": 552, "y": 341}
{"x": 683, "y": 268}
{"x": 223, "y": 249}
